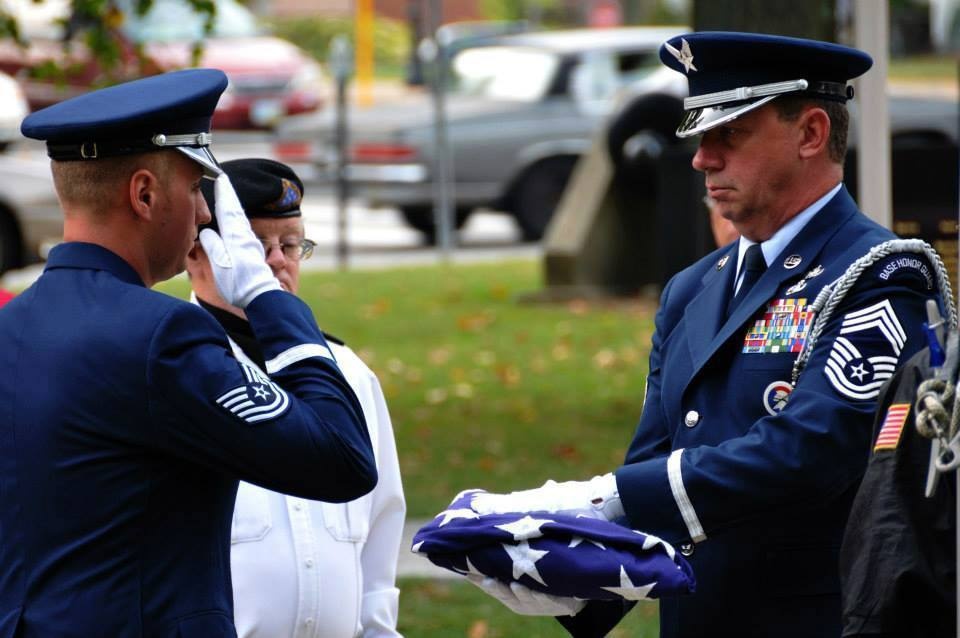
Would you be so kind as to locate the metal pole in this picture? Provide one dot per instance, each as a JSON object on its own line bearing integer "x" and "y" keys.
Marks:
{"x": 443, "y": 158}
{"x": 873, "y": 147}
{"x": 340, "y": 63}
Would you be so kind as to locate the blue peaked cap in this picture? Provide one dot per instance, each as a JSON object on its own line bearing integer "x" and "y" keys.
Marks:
{"x": 171, "y": 110}
{"x": 732, "y": 73}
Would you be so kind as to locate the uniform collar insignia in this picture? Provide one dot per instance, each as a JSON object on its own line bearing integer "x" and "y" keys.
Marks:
{"x": 684, "y": 55}
{"x": 814, "y": 272}
{"x": 792, "y": 262}
{"x": 797, "y": 287}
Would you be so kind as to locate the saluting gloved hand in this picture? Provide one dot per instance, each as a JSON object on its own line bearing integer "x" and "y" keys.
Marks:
{"x": 236, "y": 255}
{"x": 525, "y": 601}
{"x": 597, "y": 498}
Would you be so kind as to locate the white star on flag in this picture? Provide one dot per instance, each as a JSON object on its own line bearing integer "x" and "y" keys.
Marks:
{"x": 576, "y": 540}
{"x": 449, "y": 515}
{"x": 651, "y": 541}
{"x": 524, "y": 560}
{"x": 524, "y": 528}
{"x": 628, "y": 590}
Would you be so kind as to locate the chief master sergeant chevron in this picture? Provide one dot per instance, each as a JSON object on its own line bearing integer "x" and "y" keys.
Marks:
{"x": 750, "y": 470}
{"x": 125, "y": 420}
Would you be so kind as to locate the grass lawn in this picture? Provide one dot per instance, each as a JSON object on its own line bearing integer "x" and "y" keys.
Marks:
{"x": 485, "y": 391}
{"x": 454, "y": 609}
{"x": 922, "y": 68}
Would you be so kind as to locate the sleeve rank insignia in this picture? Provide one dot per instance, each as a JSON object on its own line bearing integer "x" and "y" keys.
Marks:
{"x": 259, "y": 399}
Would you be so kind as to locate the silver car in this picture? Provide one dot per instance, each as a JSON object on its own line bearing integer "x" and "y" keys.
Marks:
{"x": 521, "y": 111}
{"x": 30, "y": 217}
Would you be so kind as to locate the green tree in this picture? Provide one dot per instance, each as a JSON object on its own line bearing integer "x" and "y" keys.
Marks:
{"x": 95, "y": 24}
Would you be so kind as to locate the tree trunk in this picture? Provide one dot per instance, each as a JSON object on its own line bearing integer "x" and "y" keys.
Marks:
{"x": 810, "y": 19}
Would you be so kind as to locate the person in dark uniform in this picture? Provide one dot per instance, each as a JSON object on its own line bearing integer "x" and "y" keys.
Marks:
{"x": 125, "y": 419}
{"x": 898, "y": 561}
{"x": 746, "y": 463}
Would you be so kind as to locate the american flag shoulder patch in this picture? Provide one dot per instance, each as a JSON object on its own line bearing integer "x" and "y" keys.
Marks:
{"x": 259, "y": 399}
{"x": 892, "y": 427}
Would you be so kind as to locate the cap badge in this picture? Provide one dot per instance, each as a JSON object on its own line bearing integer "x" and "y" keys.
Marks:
{"x": 723, "y": 262}
{"x": 792, "y": 262}
{"x": 289, "y": 198}
{"x": 684, "y": 55}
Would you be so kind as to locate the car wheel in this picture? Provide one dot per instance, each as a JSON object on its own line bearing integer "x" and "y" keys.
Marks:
{"x": 420, "y": 218}
{"x": 537, "y": 195}
{"x": 10, "y": 249}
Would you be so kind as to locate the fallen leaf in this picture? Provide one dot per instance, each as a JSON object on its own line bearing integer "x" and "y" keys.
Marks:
{"x": 478, "y": 629}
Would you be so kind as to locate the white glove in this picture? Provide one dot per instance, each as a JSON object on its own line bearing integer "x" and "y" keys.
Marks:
{"x": 236, "y": 255}
{"x": 522, "y": 600}
{"x": 597, "y": 498}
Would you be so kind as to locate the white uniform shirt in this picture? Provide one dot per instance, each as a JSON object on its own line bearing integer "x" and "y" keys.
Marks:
{"x": 306, "y": 569}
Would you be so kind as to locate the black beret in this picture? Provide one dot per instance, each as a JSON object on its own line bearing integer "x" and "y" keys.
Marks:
{"x": 265, "y": 188}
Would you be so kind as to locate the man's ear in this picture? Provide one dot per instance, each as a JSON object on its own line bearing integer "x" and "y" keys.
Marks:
{"x": 144, "y": 190}
{"x": 813, "y": 127}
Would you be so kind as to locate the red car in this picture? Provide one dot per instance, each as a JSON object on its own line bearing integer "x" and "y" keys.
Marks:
{"x": 269, "y": 77}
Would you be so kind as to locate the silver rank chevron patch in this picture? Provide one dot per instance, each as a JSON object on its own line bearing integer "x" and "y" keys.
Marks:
{"x": 259, "y": 399}
{"x": 865, "y": 353}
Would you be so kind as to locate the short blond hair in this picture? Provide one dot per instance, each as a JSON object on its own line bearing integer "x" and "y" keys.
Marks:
{"x": 101, "y": 183}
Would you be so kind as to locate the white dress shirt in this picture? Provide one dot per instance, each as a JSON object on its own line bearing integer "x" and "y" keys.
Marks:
{"x": 306, "y": 569}
{"x": 775, "y": 245}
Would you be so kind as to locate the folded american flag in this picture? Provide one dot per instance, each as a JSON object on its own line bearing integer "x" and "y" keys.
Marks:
{"x": 562, "y": 555}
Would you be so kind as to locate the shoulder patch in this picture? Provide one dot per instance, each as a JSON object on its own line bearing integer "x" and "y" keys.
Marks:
{"x": 259, "y": 399}
{"x": 889, "y": 436}
{"x": 896, "y": 266}
{"x": 865, "y": 353}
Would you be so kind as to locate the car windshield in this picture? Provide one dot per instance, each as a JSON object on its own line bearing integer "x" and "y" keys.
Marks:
{"x": 504, "y": 73}
{"x": 177, "y": 21}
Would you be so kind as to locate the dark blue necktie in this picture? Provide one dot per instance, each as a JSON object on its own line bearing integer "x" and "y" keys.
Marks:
{"x": 753, "y": 267}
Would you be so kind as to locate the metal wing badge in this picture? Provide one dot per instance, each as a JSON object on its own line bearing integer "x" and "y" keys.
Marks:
{"x": 684, "y": 55}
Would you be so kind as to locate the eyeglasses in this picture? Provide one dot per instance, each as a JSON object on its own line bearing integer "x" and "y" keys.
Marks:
{"x": 294, "y": 251}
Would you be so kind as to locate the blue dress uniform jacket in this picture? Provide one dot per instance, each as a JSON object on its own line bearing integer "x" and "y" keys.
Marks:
{"x": 119, "y": 455}
{"x": 728, "y": 453}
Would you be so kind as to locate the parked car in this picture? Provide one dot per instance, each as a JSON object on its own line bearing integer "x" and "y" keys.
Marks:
{"x": 269, "y": 77}
{"x": 13, "y": 108}
{"x": 521, "y": 111}
{"x": 30, "y": 217}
